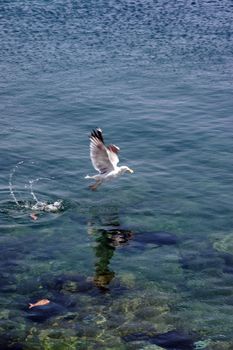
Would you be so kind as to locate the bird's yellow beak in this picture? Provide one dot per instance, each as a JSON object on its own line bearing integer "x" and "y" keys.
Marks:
{"x": 130, "y": 171}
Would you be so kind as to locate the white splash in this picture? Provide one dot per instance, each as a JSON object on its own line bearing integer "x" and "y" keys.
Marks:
{"x": 38, "y": 205}
{"x": 43, "y": 206}
{"x": 48, "y": 207}
{"x": 11, "y": 182}
{"x": 31, "y": 182}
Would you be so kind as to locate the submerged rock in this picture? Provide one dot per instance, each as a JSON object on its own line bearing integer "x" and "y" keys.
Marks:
{"x": 145, "y": 312}
{"x": 137, "y": 337}
{"x": 7, "y": 345}
{"x": 224, "y": 247}
{"x": 127, "y": 279}
{"x": 152, "y": 347}
{"x": 170, "y": 340}
{"x": 224, "y": 244}
{"x": 12, "y": 333}
{"x": 228, "y": 262}
{"x": 71, "y": 283}
{"x": 157, "y": 238}
{"x": 201, "y": 261}
{"x": 136, "y": 330}
{"x": 55, "y": 339}
{"x": 174, "y": 339}
{"x": 76, "y": 286}
{"x": 220, "y": 345}
{"x": 43, "y": 312}
{"x": 67, "y": 284}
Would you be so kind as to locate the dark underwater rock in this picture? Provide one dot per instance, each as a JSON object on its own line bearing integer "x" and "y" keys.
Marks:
{"x": 201, "y": 261}
{"x": 15, "y": 347}
{"x": 228, "y": 259}
{"x": 228, "y": 270}
{"x": 7, "y": 282}
{"x": 6, "y": 345}
{"x": 119, "y": 237}
{"x": 42, "y": 313}
{"x": 74, "y": 286}
{"x": 158, "y": 238}
{"x": 206, "y": 260}
{"x": 174, "y": 340}
{"x": 171, "y": 340}
{"x": 71, "y": 283}
{"x": 136, "y": 337}
{"x": 228, "y": 262}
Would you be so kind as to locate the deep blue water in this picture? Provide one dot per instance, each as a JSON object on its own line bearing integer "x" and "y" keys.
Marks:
{"x": 147, "y": 254}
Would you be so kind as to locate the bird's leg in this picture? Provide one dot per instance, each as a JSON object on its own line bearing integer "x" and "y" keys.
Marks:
{"x": 94, "y": 186}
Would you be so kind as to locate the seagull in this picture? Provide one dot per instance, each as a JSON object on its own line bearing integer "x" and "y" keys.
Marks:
{"x": 104, "y": 159}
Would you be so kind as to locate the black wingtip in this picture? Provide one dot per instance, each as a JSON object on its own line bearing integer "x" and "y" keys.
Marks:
{"x": 98, "y": 134}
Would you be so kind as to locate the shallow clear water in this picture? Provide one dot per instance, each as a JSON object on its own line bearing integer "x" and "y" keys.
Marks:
{"x": 151, "y": 252}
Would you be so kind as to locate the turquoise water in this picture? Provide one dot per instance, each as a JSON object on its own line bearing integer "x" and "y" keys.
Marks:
{"x": 150, "y": 255}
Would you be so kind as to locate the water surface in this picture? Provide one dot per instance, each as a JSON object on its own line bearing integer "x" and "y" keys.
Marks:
{"x": 157, "y": 78}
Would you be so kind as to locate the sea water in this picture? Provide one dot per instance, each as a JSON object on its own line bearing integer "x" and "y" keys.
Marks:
{"x": 146, "y": 261}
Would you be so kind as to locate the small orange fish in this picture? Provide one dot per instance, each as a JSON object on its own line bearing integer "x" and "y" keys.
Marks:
{"x": 33, "y": 216}
{"x": 41, "y": 302}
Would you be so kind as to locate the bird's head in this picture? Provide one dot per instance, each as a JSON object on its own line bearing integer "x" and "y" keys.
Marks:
{"x": 126, "y": 169}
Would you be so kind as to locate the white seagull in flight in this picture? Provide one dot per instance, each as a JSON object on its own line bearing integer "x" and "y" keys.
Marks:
{"x": 104, "y": 160}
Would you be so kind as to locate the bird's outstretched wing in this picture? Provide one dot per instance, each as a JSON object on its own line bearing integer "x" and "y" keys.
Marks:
{"x": 104, "y": 159}
{"x": 113, "y": 154}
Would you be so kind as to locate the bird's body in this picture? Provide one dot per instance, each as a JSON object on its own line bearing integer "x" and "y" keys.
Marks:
{"x": 104, "y": 160}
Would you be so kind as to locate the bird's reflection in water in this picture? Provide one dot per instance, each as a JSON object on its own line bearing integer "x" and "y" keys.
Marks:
{"x": 107, "y": 239}
{"x": 103, "y": 252}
